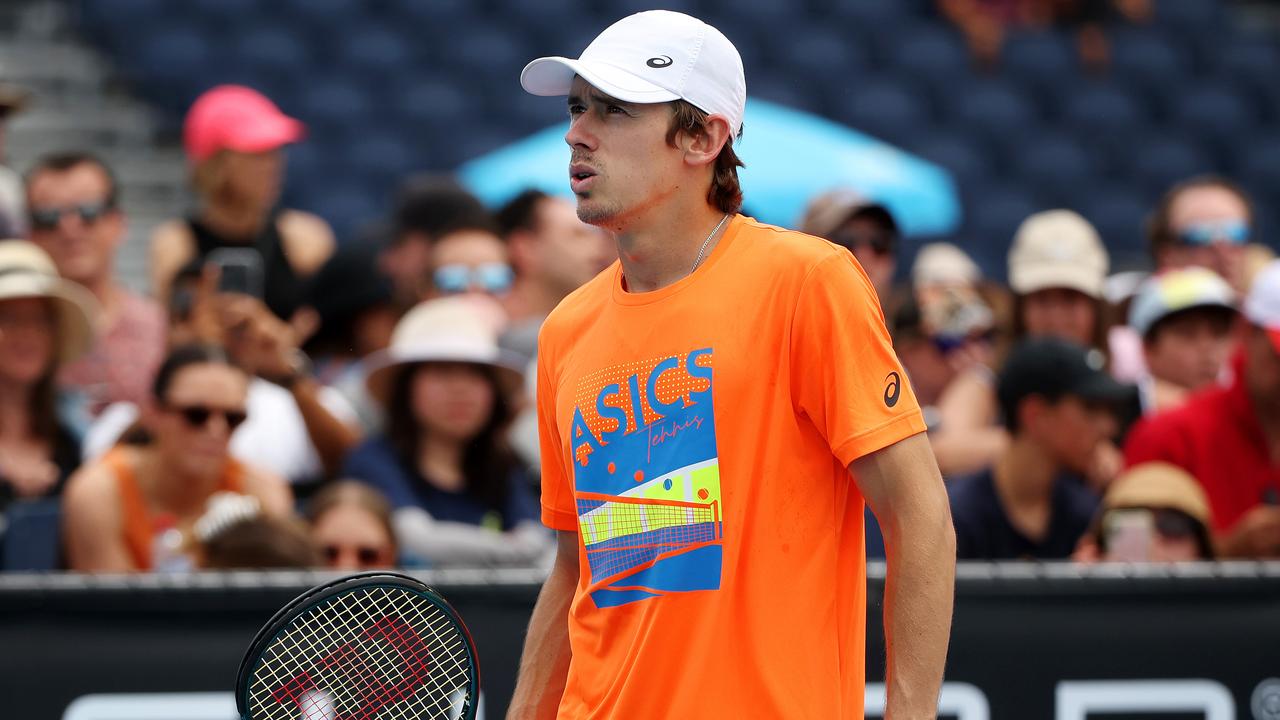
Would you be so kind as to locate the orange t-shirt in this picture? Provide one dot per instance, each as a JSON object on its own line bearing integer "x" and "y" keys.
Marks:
{"x": 697, "y": 439}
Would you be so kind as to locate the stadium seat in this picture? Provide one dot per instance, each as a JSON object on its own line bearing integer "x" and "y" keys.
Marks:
{"x": 1257, "y": 164}
{"x": 993, "y": 212}
{"x": 1102, "y": 109}
{"x": 334, "y": 102}
{"x": 274, "y": 51}
{"x": 32, "y": 541}
{"x": 1150, "y": 61}
{"x": 1054, "y": 164}
{"x": 1118, "y": 212}
{"x": 827, "y": 52}
{"x": 1043, "y": 62}
{"x": 1254, "y": 64}
{"x": 789, "y": 90}
{"x": 1214, "y": 111}
{"x": 928, "y": 53}
{"x": 886, "y": 108}
{"x": 992, "y": 109}
{"x": 380, "y": 156}
{"x": 1156, "y": 162}
{"x": 1190, "y": 16}
{"x": 375, "y": 50}
{"x": 960, "y": 153}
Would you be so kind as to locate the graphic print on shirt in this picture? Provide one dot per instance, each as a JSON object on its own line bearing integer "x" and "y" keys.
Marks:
{"x": 647, "y": 478}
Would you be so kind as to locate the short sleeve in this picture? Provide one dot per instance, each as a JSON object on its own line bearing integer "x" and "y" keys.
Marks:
{"x": 558, "y": 510}
{"x": 1155, "y": 440}
{"x": 845, "y": 376}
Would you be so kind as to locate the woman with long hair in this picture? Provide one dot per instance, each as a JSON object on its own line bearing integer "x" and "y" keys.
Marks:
{"x": 459, "y": 493}
{"x": 44, "y": 321}
{"x": 143, "y": 499}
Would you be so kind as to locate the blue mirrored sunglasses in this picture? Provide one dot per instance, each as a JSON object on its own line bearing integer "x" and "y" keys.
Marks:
{"x": 494, "y": 278}
{"x": 1232, "y": 232}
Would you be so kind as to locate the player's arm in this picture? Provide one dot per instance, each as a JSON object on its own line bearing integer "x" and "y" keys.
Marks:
{"x": 904, "y": 489}
{"x": 544, "y": 664}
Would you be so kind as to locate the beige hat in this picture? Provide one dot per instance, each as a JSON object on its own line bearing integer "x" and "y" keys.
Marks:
{"x": 828, "y": 211}
{"x": 1158, "y": 485}
{"x": 1057, "y": 249}
{"x": 26, "y": 271}
{"x": 942, "y": 263}
{"x": 459, "y": 328}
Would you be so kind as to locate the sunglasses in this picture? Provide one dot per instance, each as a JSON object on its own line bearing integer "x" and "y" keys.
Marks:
{"x": 880, "y": 243}
{"x": 48, "y": 218}
{"x": 198, "y": 416}
{"x": 1232, "y": 232}
{"x": 1169, "y": 523}
{"x": 493, "y": 278}
{"x": 365, "y": 555}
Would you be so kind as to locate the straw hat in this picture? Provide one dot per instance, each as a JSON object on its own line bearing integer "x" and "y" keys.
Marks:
{"x": 461, "y": 328}
{"x": 26, "y": 271}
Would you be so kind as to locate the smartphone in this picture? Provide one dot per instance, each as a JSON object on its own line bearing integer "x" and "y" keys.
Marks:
{"x": 239, "y": 270}
{"x": 1129, "y": 533}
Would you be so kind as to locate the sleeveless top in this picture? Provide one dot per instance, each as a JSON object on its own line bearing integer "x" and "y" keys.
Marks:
{"x": 282, "y": 287}
{"x": 139, "y": 525}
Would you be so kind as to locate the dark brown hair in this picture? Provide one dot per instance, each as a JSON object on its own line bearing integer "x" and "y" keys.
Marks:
{"x": 487, "y": 462}
{"x": 357, "y": 494}
{"x": 1160, "y": 233}
{"x": 61, "y": 162}
{"x": 725, "y": 193}
{"x": 260, "y": 542}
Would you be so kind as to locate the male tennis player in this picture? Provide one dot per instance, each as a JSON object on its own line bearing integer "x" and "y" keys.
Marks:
{"x": 703, "y": 404}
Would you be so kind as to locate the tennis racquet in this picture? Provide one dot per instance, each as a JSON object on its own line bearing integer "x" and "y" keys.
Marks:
{"x": 373, "y": 646}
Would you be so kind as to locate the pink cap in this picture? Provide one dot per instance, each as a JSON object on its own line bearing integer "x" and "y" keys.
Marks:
{"x": 234, "y": 117}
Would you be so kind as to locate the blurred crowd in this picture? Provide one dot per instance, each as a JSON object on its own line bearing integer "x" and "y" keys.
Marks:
{"x": 282, "y": 399}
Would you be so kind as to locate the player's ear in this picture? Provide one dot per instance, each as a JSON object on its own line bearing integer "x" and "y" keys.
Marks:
{"x": 704, "y": 147}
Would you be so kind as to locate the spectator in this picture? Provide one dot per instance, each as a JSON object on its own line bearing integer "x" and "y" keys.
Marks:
{"x": 1185, "y": 318}
{"x": 865, "y": 228}
{"x": 1207, "y": 222}
{"x": 355, "y": 307}
{"x": 470, "y": 259}
{"x": 1056, "y": 400}
{"x": 1227, "y": 437}
{"x": 44, "y": 322}
{"x": 351, "y": 527}
{"x": 986, "y": 23}
{"x": 259, "y": 543}
{"x": 296, "y": 428}
{"x": 427, "y": 207}
{"x": 944, "y": 329}
{"x": 118, "y": 512}
{"x": 234, "y": 139}
{"x": 1154, "y": 512}
{"x": 13, "y": 98}
{"x": 553, "y": 253}
{"x": 458, "y": 492}
{"x": 74, "y": 209}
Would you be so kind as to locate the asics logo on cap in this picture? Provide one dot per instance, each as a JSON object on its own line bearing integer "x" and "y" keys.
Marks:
{"x": 659, "y": 62}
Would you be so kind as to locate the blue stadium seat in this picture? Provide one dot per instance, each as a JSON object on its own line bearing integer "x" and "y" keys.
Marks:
{"x": 488, "y": 54}
{"x": 1156, "y": 162}
{"x": 783, "y": 88}
{"x": 928, "y": 53}
{"x": 381, "y": 156}
{"x": 992, "y": 214}
{"x": 1214, "y": 111}
{"x": 881, "y": 17}
{"x": 1254, "y": 64}
{"x": 1119, "y": 212}
{"x": 432, "y": 102}
{"x": 961, "y": 154}
{"x": 886, "y": 108}
{"x": 376, "y": 50}
{"x": 827, "y": 52}
{"x": 274, "y": 51}
{"x": 1102, "y": 109}
{"x": 348, "y": 204}
{"x": 1257, "y": 166}
{"x": 1054, "y": 164}
{"x": 1149, "y": 60}
{"x": 168, "y": 59}
{"x": 1043, "y": 62}
{"x": 32, "y": 541}
{"x": 332, "y": 103}
{"x": 992, "y": 109}
{"x": 1190, "y": 16}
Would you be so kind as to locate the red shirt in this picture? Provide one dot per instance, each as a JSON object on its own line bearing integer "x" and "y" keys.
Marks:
{"x": 1216, "y": 437}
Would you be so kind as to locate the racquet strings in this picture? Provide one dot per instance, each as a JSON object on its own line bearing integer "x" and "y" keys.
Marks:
{"x": 382, "y": 652}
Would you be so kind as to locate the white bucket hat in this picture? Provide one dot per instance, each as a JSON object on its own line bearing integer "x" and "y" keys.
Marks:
{"x": 26, "y": 271}
{"x": 461, "y": 328}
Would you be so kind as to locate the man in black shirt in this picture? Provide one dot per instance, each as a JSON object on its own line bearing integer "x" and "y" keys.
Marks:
{"x": 1058, "y": 405}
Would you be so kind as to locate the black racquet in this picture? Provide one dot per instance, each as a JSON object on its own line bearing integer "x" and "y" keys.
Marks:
{"x": 374, "y": 646}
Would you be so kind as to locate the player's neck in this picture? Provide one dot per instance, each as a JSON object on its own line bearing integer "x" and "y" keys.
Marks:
{"x": 660, "y": 248}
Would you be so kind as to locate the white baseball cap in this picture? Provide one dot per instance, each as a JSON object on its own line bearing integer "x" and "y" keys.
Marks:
{"x": 655, "y": 56}
{"x": 1262, "y": 306}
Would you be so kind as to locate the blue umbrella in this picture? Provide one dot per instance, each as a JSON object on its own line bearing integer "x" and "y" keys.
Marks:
{"x": 791, "y": 156}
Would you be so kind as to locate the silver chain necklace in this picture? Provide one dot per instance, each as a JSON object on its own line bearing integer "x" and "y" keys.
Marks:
{"x": 703, "y": 249}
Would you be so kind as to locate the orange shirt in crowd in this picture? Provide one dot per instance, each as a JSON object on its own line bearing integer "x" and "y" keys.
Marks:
{"x": 697, "y": 439}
